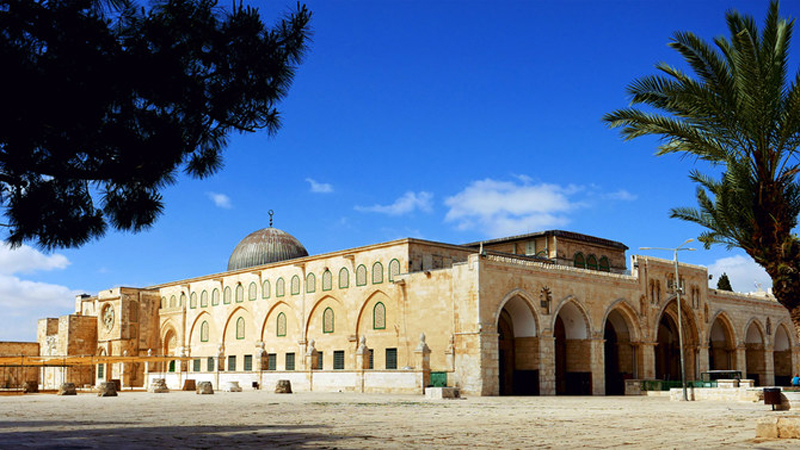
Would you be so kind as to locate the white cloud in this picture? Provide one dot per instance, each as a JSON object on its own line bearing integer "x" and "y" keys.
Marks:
{"x": 745, "y": 275}
{"x": 23, "y": 301}
{"x": 501, "y": 208}
{"x": 409, "y": 202}
{"x": 621, "y": 194}
{"x": 26, "y": 259}
{"x": 320, "y": 188}
{"x": 221, "y": 200}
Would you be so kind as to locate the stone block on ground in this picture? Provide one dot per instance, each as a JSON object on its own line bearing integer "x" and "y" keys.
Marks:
{"x": 283, "y": 387}
{"x": 189, "y": 385}
{"x": 231, "y": 386}
{"x": 30, "y": 387}
{"x": 778, "y": 427}
{"x": 107, "y": 389}
{"x": 205, "y": 387}
{"x": 439, "y": 393}
{"x": 158, "y": 386}
{"x": 67, "y": 389}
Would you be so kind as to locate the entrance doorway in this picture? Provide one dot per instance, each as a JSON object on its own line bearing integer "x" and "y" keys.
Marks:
{"x": 573, "y": 352}
{"x": 518, "y": 349}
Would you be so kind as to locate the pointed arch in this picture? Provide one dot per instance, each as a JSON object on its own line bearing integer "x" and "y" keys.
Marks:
{"x": 574, "y": 308}
{"x": 524, "y": 316}
{"x": 628, "y": 312}
{"x": 194, "y": 329}
{"x": 364, "y": 321}
{"x": 239, "y": 311}
{"x": 316, "y": 314}
{"x": 268, "y": 326}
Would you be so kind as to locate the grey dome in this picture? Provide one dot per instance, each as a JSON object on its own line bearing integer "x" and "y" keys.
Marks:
{"x": 265, "y": 246}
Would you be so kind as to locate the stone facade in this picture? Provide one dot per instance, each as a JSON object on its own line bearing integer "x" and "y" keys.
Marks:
{"x": 546, "y": 313}
{"x": 12, "y": 376}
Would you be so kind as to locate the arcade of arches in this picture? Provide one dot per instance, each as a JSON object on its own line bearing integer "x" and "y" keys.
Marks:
{"x": 509, "y": 316}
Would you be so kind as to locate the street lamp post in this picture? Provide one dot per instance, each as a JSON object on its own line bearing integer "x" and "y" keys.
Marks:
{"x": 678, "y": 292}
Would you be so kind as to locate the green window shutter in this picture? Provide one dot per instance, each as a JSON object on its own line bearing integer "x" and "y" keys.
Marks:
{"x": 311, "y": 283}
{"x": 327, "y": 280}
{"x": 265, "y": 289}
{"x": 101, "y": 369}
{"x": 193, "y": 300}
{"x": 371, "y": 358}
{"x": 172, "y": 366}
{"x": 226, "y": 296}
{"x": 394, "y": 269}
{"x": 320, "y": 360}
{"x": 280, "y": 288}
{"x": 361, "y": 275}
{"x": 327, "y": 320}
{"x": 210, "y": 364}
{"x": 232, "y": 363}
{"x": 196, "y": 365}
{"x": 344, "y": 278}
{"x": 290, "y": 361}
{"x": 338, "y": 360}
{"x": 280, "y": 329}
{"x": 204, "y": 299}
{"x": 248, "y": 362}
{"x": 215, "y": 297}
{"x": 377, "y": 273}
{"x": 272, "y": 361}
{"x": 391, "y": 358}
{"x": 379, "y": 316}
{"x": 295, "y": 285}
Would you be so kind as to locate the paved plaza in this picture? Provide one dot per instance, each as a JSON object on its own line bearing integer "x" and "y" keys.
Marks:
{"x": 261, "y": 419}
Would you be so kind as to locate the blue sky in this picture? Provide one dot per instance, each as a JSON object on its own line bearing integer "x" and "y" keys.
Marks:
{"x": 451, "y": 121}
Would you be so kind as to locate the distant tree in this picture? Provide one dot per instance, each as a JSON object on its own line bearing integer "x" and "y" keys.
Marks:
{"x": 740, "y": 113}
{"x": 724, "y": 284}
{"x": 104, "y": 101}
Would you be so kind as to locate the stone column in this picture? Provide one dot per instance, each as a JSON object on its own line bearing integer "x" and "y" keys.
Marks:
{"x": 769, "y": 366}
{"x": 450, "y": 354}
{"x": 489, "y": 355}
{"x": 312, "y": 363}
{"x": 220, "y": 363}
{"x": 597, "y": 364}
{"x": 702, "y": 358}
{"x": 258, "y": 363}
{"x": 648, "y": 361}
{"x": 741, "y": 360}
{"x": 422, "y": 362}
{"x": 547, "y": 365}
{"x": 362, "y": 363}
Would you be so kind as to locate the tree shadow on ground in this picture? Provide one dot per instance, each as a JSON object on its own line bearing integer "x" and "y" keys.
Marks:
{"x": 129, "y": 435}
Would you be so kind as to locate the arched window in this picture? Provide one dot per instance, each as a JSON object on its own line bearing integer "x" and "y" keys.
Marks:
{"x": 361, "y": 275}
{"x": 377, "y": 273}
{"x": 265, "y": 289}
{"x": 215, "y": 297}
{"x": 226, "y": 295}
{"x": 252, "y": 292}
{"x": 239, "y": 293}
{"x": 344, "y": 278}
{"x": 379, "y": 316}
{"x": 327, "y": 280}
{"x": 240, "y": 328}
{"x": 295, "y": 285}
{"x": 604, "y": 264}
{"x": 327, "y": 320}
{"x": 193, "y": 300}
{"x": 579, "y": 261}
{"x": 591, "y": 262}
{"x": 204, "y": 299}
{"x": 311, "y": 283}
{"x": 173, "y": 302}
{"x": 280, "y": 326}
{"x": 163, "y": 302}
{"x": 280, "y": 288}
{"x": 204, "y": 331}
{"x": 394, "y": 269}
{"x": 183, "y": 299}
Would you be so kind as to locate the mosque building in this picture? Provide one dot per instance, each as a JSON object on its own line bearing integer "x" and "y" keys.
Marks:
{"x": 552, "y": 312}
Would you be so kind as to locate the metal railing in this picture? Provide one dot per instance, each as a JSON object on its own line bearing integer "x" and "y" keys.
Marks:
{"x": 665, "y": 385}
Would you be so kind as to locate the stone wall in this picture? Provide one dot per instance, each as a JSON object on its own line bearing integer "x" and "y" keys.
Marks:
{"x": 14, "y": 377}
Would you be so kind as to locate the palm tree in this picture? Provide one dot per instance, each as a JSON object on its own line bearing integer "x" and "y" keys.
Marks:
{"x": 739, "y": 113}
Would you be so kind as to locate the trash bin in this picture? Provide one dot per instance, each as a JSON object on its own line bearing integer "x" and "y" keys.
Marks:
{"x": 772, "y": 396}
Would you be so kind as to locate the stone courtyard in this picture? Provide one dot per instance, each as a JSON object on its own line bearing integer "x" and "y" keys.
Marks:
{"x": 261, "y": 419}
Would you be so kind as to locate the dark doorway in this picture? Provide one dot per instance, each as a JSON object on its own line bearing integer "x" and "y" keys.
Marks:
{"x": 506, "y": 347}
{"x": 615, "y": 384}
{"x": 668, "y": 364}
